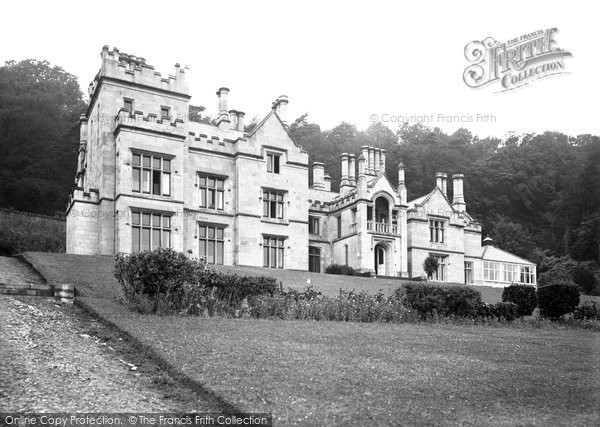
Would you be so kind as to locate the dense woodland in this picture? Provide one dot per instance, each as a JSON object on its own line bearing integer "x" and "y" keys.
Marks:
{"x": 536, "y": 195}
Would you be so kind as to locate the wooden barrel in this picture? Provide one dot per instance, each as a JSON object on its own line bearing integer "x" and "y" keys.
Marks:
{"x": 64, "y": 292}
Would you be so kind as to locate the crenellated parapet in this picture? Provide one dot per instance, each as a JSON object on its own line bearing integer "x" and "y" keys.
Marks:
{"x": 151, "y": 122}
{"x": 130, "y": 68}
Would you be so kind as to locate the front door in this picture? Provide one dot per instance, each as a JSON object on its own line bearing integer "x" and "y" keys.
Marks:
{"x": 380, "y": 261}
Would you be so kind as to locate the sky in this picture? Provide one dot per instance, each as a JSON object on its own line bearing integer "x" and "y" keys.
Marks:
{"x": 337, "y": 61}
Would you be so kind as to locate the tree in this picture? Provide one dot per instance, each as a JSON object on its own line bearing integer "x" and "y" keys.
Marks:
{"x": 40, "y": 106}
{"x": 430, "y": 265}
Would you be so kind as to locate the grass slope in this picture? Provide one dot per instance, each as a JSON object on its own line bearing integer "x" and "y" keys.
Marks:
{"x": 316, "y": 373}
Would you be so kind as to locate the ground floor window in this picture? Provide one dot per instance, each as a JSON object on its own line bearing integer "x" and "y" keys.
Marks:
{"x": 491, "y": 271}
{"x": 440, "y": 273}
{"x": 468, "y": 272}
{"x": 211, "y": 243}
{"x": 508, "y": 273}
{"x": 150, "y": 231}
{"x": 527, "y": 275}
{"x": 314, "y": 259}
{"x": 273, "y": 251}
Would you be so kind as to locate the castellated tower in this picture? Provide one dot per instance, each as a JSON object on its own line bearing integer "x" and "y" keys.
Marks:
{"x": 130, "y": 104}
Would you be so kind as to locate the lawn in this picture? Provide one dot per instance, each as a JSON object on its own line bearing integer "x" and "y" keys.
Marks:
{"x": 361, "y": 374}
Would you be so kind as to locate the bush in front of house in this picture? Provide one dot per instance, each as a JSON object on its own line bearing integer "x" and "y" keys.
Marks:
{"x": 590, "y": 310}
{"x": 166, "y": 281}
{"x": 557, "y": 299}
{"x": 345, "y": 270}
{"x": 443, "y": 300}
{"x": 508, "y": 311}
{"x": 524, "y": 296}
{"x": 311, "y": 305}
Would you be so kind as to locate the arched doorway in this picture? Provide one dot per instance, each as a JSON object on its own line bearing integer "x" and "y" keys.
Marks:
{"x": 382, "y": 210}
{"x": 380, "y": 260}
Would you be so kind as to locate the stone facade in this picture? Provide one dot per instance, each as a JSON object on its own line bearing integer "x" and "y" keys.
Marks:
{"x": 149, "y": 177}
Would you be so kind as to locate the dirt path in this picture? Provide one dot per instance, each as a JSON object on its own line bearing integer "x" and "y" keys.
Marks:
{"x": 55, "y": 358}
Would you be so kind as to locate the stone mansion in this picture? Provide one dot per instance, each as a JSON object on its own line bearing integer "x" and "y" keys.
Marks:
{"x": 148, "y": 177}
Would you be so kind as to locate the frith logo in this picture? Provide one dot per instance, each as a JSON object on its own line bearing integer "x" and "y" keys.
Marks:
{"x": 514, "y": 63}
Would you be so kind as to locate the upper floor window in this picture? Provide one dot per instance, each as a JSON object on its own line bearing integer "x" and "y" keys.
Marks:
{"x": 436, "y": 231}
{"x": 211, "y": 192}
{"x": 150, "y": 231}
{"x": 128, "y": 105}
{"x": 165, "y": 112}
{"x": 272, "y": 204}
{"x": 151, "y": 174}
{"x": 273, "y": 162}
{"x": 313, "y": 225}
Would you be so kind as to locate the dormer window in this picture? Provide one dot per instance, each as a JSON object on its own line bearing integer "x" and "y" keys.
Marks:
{"x": 273, "y": 161}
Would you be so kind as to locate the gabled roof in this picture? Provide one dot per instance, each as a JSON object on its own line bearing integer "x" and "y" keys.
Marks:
{"x": 375, "y": 180}
{"x": 284, "y": 127}
{"x": 492, "y": 253}
{"x": 420, "y": 201}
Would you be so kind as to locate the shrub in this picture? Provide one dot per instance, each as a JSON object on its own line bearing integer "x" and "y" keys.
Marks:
{"x": 590, "y": 310}
{"x": 166, "y": 281}
{"x": 508, "y": 311}
{"x": 430, "y": 265}
{"x": 345, "y": 270}
{"x": 558, "y": 299}
{"x": 556, "y": 275}
{"x": 444, "y": 300}
{"x": 524, "y": 296}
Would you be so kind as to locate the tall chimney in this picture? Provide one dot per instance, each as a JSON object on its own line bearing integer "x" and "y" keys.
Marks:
{"x": 401, "y": 184}
{"x": 445, "y": 184}
{"x": 382, "y": 167}
{"x": 345, "y": 182}
{"x": 280, "y": 107}
{"x": 458, "y": 200}
{"x": 371, "y": 167}
{"x": 352, "y": 170}
{"x": 377, "y": 160}
{"x": 365, "y": 154}
{"x": 361, "y": 183}
{"x": 327, "y": 182}
{"x": 439, "y": 180}
{"x": 223, "y": 120}
{"x": 318, "y": 176}
{"x": 233, "y": 119}
{"x": 240, "y": 121}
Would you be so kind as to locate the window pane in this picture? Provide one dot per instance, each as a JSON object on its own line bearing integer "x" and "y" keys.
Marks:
{"x": 219, "y": 200}
{"x": 166, "y": 239}
{"x": 219, "y": 252}
{"x": 156, "y": 182}
{"x": 166, "y": 184}
{"x": 280, "y": 197}
{"x": 135, "y": 218}
{"x": 145, "y": 239}
{"x": 202, "y": 181}
{"x": 166, "y": 221}
{"x": 265, "y": 256}
{"x": 220, "y": 184}
{"x": 266, "y": 208}
{"x": 136, "y": 160}
{"x": 220, "y": 233}
{"x": 166, "y": 165}
{"x": 273, "y": 208}
{"x": 265, "y": 195}
{"x": 269, "y": 163}
{"x": 273, "y": 242}
{"x": 210, "y": 252}
{"x": 156, "y": 220}
{"x": 211, "y": 182}
{"x": 146, "y": 181}
{"x": 203, "y": 197}
{"x": 202, "y": 249}
{"x": 211, "y": 198}
{"x": 155, "y": 238}
{"x": 146, "y": 219}
{"x": 211, "y": 232}
{"x": 135, "y": 239}
{"x": 273, "y": 257}
{"x": 280, "y": 258}
{"x": 202, "y": 231}
{"x": 136, "y": 179}
{"x": 276, "y": 164}
{"x": 146, "y": 161}
{"x": 156, "y": 162}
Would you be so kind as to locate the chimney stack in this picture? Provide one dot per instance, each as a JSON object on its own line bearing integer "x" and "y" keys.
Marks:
{"x": 240, "y": 121}
{"x": 361, "y": 183}
{"x": 401, "y": 184}
{"x": 223, "y": 121}
{"x": 327, "y": 181}
{"x": 318, "y": 176}
{"x": 458, "y": 200}
{"x": 352, "y": 170}
{"x": 445, "y": 184}
{"x": 382, "y": 167}
{"x": 439, "y": 181}
{"x": 280, "y": 107}
{"x": 345, "y": 182}
{"x": 233, "y": 119}
{"x": 377, "y": 160}
{"x": 371, "y": 167}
